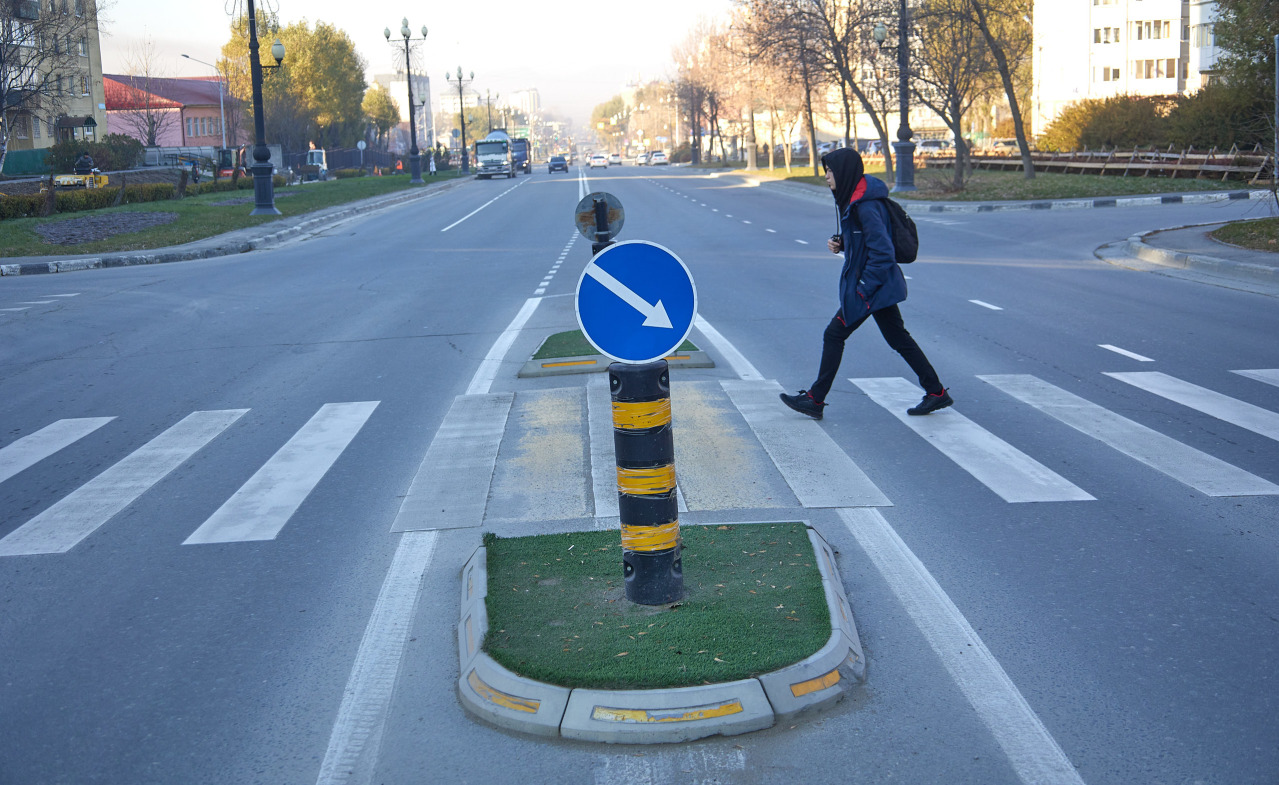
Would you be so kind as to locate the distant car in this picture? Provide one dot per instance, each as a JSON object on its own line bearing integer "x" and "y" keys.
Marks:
{"x": 614, "y": 158}
{"x": 826, "y": 147}
{"x": 599, "y": 160}
{"x": 657, "y": 158}
{"x": 641, "y": 159}
{"x": 874, "y": 147}
{"x": 932, "y": 147}
{"x": 556, "y": 164}
{"x": 1006, "y": 146}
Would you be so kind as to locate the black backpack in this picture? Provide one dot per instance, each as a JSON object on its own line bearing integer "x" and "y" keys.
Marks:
{"x": 902, "y": 227}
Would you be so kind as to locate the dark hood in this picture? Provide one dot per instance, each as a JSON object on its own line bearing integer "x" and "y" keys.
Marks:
{"x": 847, "y": 165}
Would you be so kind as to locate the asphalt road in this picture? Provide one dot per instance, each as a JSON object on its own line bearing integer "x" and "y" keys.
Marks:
{"x": 187, "y": 588}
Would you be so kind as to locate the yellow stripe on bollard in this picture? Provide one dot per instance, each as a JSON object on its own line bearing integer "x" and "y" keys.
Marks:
{"x": 646, "y": 482}
{"x": 650, "y": 538}
{"x": 642, "y": 414}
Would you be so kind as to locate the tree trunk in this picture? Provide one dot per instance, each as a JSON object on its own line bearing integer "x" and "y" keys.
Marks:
{"x": 1005, "y": 74}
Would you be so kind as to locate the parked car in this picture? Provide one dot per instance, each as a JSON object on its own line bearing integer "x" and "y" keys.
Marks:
{"x": 657, "y": 158}
{"x": 932, "y": 147}
{"x": 614, "y": 158}
{"x": 598, "y": 160}
{"x": 556, "y": 164}
{"x": 641, "y": 159}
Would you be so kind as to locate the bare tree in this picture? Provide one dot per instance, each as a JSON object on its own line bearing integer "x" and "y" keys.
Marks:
{"x": 1005, "y": 25}
{"x": 954, "y": 69}
{"x": 40, "y": 59}
{"x": 147, "y": 114}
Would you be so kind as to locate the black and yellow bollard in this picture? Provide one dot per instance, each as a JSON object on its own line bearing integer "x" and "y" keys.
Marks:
{"x": 647, "y": 503}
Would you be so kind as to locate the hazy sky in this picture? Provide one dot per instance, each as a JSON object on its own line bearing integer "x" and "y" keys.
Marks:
{"x": 576, "y": 54}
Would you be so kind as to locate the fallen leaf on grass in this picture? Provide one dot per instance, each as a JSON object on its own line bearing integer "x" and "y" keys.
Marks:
{"x": 623, "y": 654}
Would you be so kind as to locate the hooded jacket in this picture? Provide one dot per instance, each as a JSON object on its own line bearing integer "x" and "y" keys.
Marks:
{"x": 871, "y": 279}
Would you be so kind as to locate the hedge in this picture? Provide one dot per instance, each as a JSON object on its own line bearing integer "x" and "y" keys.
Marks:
{"x": 30, "y": 205}
{"x": 341, "y": 173}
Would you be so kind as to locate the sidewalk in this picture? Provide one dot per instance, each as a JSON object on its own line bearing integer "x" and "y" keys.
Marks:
{"x": 240, "y": 241}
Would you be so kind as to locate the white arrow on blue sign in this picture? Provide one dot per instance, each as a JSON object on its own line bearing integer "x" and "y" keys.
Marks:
{"x": 636, "y": 301}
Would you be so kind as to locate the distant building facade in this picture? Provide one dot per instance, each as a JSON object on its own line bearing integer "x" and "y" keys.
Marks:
{"x": 397, "y": 86}
{"x": 1102, "y": 48}
{"x": 180, "y": 112}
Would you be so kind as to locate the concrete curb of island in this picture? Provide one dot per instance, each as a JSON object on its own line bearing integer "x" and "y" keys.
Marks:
{"x": 267, "y": 240}
{"x": 921, "y": 207}
{"x": 505, "y": 699}
{"x": 598, "y": 363}
{"x": 1136, "y": 247}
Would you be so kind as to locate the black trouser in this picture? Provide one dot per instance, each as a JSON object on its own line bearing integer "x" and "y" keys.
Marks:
{"x": 894, "y": 331}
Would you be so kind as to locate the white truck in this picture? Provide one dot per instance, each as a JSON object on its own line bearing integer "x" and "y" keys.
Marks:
{"x": 493, "y": 156}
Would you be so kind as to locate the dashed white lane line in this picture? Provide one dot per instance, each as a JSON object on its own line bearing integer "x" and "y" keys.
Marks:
{"x": 1126, "y": 353}
{"x": 986, "y": 305}
{"x": 802, "y": 242}
{"x": 771, "y": 231}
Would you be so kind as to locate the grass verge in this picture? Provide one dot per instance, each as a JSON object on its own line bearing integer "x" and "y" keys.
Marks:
{"x": 989, "y": 186}
{"x": 574, "y": 344}
{"x": 198, "y": 216}
{"x": 558, "y": 612}
{"x": 1259, "y": 235}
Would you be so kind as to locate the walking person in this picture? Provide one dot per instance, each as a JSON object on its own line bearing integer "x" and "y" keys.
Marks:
{"x": 431, "y": 159}
{"x": 870, "y": 286}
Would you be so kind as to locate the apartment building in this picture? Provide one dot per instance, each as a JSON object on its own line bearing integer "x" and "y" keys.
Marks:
{"x": 55, "y": 90}
{"x": 397, "y": 86}
{"x": 1103, "y": 48}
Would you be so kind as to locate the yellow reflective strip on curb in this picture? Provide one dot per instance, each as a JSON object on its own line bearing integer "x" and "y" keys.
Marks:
{"x": 710, "y": 711}
{"x": 813, "y": 685}
{"x": 650, "y": 538}
{"x": 501, "y": 698}
{"x": 570, "y": 362}
{"x": 676, "y": 357}
{"x": 646, "y": 482}
{"x": 644, "y": 414}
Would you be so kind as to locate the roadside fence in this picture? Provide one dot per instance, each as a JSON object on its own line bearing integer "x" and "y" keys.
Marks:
{"x": 1255, "y": 166}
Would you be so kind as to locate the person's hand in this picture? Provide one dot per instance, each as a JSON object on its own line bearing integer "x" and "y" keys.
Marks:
{"x": 835, "y": 243}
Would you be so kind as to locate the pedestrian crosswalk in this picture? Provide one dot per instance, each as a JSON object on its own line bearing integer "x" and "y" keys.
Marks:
{"x": 547, "y": 455}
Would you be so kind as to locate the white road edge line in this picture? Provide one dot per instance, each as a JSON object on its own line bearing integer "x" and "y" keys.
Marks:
{"x": 986, "y": 305}
{"x": 741, "y": 366}
{"x": 1033, "y": 752}
{"x": 1126, "y": 353}
{"x": 367, "y": 697}
{"x": 487, "y": 372}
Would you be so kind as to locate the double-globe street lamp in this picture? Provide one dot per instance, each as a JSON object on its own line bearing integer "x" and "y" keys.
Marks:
{"x": 461, "y": 111}
{"x": 263, "y": 188}
{"x": 415, "y": 160}
{"x": 903, "y": 148}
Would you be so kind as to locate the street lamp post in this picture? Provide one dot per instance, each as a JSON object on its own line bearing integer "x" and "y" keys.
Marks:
{"x": 461, "y": 111}
{"x": 903, "y": 148}
{"x": 415, "y": 159}
{"x": 221, "y": 108}
{"x": 263, "y": 188}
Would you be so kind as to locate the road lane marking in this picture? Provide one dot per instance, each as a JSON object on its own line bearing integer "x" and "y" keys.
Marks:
{"x": 1183, "y": 463}
{"x": 802, "y": 242}
{"x": 1009, "y": 472}
{"x": 741, "y": 366}
{"x": 481, "y": 207}
{"x": 1267, "y": 375}
{"x": 451, "y": 487}
{"x": 361, "y": 717}
{"x": 1033, "y": 752}
{"x": 80, "y": 513}
{"x": 1213, "y": 404}
{"x": 986, "y": 305}
{"x": 1133, "y": 355}
{"x": 487, "y": 372}
{"x": 817, "y": 470}
{"x": 35, "y": 447}
{"x": 264, "y": 504}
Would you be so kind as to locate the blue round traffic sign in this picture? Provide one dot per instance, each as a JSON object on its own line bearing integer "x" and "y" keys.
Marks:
{"x": 636, "y": 301}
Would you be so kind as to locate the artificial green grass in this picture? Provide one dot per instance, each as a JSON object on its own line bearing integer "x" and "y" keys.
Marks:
{"x": 1259, "y": 235}
{"x": 558, "y": 612}
{"x": 198, "y": 217}
{"x": 574, "y": 344}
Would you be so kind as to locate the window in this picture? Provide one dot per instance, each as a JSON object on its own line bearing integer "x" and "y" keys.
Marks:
{"x": 35, "y": 127}
{"x": 1170, "y": 68}
{"x": 189, "y": 127}
{"x": 84, "y": 47}
{"x": 20, "y": 127}
{"x": 84, "y": 85}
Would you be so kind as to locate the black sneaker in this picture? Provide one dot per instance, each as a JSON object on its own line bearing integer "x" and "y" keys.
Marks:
{"x": 804, "y": 404}
{"x": 932, "y": 403}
